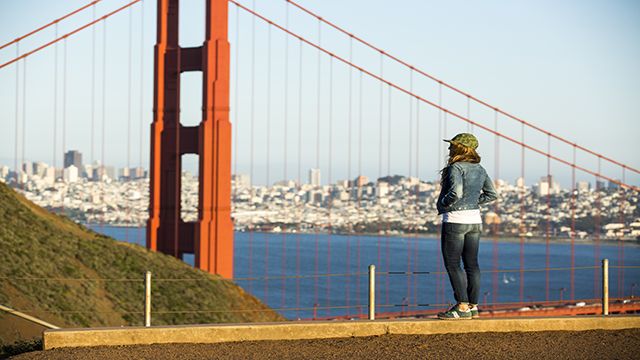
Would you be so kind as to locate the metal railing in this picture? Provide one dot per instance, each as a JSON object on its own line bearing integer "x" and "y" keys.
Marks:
{"x": 372, "y": 306}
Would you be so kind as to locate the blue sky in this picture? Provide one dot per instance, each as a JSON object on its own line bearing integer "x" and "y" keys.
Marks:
{"x": 569, "y": 67}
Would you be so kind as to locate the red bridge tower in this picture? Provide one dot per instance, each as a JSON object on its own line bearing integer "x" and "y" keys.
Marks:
{"x": 211, "y": 237}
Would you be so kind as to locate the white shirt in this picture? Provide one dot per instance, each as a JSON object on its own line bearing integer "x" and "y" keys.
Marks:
{"x": 462, "y": 217}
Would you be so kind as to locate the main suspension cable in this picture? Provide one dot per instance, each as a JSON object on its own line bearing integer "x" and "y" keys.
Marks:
{"x": 68, "y": 34}
{"x": 445, "y": 110}
{"x": 451, "y": 87}
{"x": 54, "y": 22}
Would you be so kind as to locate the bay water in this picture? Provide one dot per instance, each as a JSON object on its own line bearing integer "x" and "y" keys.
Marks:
{"x": 304, "y": 276}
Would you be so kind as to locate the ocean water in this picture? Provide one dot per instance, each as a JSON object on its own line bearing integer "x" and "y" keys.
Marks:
{"x": 319, "y": 275}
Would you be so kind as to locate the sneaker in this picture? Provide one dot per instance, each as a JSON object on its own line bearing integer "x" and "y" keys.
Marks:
{"x": 455, "y": 314}
{"x": 474, "y": 311}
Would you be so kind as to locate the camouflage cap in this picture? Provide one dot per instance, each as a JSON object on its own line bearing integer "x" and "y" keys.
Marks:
{"x": 465, "y": 139}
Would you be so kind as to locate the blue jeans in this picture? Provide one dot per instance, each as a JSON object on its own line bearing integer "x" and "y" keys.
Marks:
{"x": 462, "y": 241}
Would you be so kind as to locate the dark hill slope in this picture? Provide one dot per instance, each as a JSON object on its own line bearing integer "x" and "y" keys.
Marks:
{"x": 55, "y": 269}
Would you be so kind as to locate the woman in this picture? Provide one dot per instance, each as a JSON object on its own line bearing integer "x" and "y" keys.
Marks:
{"x": 464, "y": 186}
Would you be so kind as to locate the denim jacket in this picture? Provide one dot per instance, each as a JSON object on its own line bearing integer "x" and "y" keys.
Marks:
{"x": 465, "y": 186}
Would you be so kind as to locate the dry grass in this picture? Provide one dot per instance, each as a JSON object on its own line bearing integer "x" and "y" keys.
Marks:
{"x": 41, "y": 252}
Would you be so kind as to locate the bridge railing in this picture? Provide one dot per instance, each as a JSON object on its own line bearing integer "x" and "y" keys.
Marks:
{"x": 139, "y": 312}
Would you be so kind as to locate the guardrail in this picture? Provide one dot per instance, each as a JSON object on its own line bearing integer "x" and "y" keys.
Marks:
{"x": 373, "y": 307}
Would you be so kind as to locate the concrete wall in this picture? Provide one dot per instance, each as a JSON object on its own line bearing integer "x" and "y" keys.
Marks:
{"x": 320, "y": 330}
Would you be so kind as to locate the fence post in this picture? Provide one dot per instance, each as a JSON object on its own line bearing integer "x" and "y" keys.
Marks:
{"x": 372, "y": 292}
{"x": 147, "y": 299}
{"x": 605, "y": 286}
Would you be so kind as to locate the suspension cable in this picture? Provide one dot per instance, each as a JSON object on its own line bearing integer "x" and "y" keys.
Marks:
{"x": 496, "y": 220}
{"x": 24, "y": 117}
{"x": 140, "y": 172}
{"x": 573, "y": 224}
{"x": 381, "y": 102}
{"x": 388, "y": 222}
{"x": 284, "y": 168}
{"x": 469, "y": 96}
{"x": 17, "y": 119}
{"x": 439, "y": 162}
{"x": 300, "y": 72}
{"x": 319, "y": 78}
{"x": 411, "y": 243}
{"x": 102, "y": 169}
{"x": 55, "y": 107}
{"x": 621, "y": 241}
{"x": 127, "y": 174}
{"x": 349, "y": 175}
{"x": 329, "y": 181}
{"x": 251, "y": 144}
{"x": 93, "y": 85}
{"x": 359, "y": 187}
{"x": 446, "y": 111}
{"x": 469, "y": 126}
{"x": 417, "y": 192}
{"x": 64, "y": 107}
{"x": 523, "y": 191}
{"x": 268, "y": 153}
{"x": 548, "y": 230}
{"x": 54, "y": 22}
{"x": 69, "y": 34}
{"x": 236, "y": 107}
{"x": 596, "y": 249}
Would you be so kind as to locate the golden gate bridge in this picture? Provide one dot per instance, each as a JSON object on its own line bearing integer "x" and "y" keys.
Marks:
{"x": 239, "y": 119}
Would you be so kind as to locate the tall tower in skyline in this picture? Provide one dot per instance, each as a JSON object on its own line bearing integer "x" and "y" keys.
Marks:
{"x": 73, "y": 157}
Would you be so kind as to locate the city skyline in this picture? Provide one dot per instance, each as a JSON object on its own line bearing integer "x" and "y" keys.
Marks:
{"x": 313, "y": 177}
{"x": 540, "y": 60}
{"x": 395, "y": 204}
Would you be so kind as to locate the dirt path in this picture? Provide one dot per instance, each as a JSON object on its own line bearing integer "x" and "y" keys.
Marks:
{"x": 593, "y": 344}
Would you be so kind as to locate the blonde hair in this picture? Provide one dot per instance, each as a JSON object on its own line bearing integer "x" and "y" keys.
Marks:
{"x": 459, "y": 152}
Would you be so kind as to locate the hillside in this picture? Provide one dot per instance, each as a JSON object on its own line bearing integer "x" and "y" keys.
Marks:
{"x": 55, "y": 269}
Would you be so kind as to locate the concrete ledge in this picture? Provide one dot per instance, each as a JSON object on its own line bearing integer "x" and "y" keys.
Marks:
{"x": 320, "y": 330}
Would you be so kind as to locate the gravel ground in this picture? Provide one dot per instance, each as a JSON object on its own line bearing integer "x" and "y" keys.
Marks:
{"x": 592, "y": 344}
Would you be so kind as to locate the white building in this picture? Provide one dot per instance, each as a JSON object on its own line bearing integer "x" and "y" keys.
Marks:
{"x": 241, "y": 181}
{"x": 137, "y": 172}
{"x": 70, "y": 174}
{"x": 548, "y": 188}
{"x": 412, "y": 181}
{"x": 500, "y": 184}
{"x": 39, "y": 169}
{"x": 382, "y": 189}
{"x": 361, "y": 181}
{"x": 27, "y": 168}
{"x": 4, "y": 172}
{"x": 87, "y": 171}
{"x": 583, "y": 186}
{"x": 314, "y": 177}
{"x": 49, "y": 176}
{"x": 124, "y": 173}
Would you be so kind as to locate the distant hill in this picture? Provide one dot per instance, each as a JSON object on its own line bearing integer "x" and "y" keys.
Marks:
{"x": 53, "y": 268}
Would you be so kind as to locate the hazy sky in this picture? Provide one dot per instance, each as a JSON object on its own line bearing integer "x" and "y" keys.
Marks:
{"x": 569, "y": 67}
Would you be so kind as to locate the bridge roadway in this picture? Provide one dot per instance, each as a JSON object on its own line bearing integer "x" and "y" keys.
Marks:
{"x": 543, "y": 309}
{"x": 207, "y": 334}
